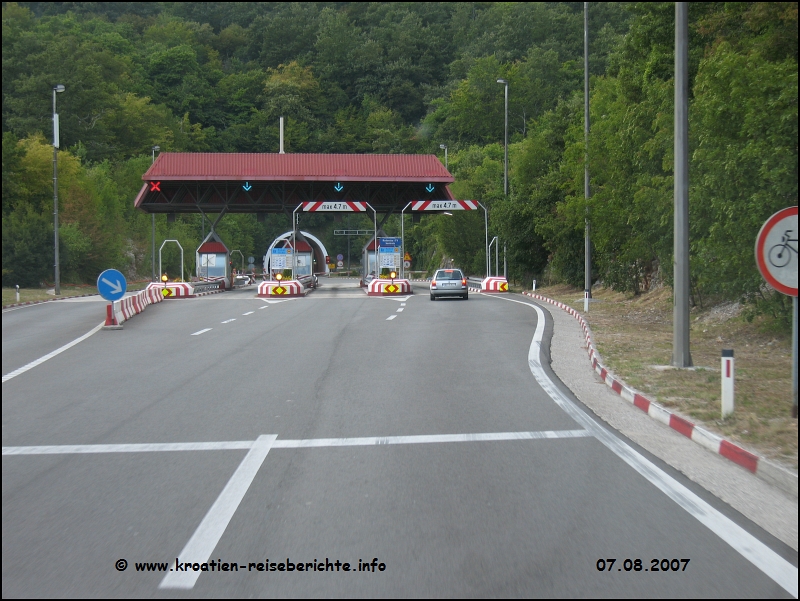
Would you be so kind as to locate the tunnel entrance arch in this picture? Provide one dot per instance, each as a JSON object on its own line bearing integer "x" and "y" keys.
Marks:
{"x": 305, "y": 242}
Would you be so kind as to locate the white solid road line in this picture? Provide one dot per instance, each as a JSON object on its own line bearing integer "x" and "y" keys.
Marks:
{"x": 747, "y": 545}
{"x": 391, "y": 317}
{"x": 303, "y": 443}
{"x": 205, "y": 538}
{"x": 41, "y": 360}
{"x": 202, "y": 331}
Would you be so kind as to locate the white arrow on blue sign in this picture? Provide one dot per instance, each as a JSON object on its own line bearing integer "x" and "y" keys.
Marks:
{"x": 111, "y": 285}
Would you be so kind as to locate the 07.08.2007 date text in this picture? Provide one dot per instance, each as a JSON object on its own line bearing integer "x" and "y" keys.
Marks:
{"x": 656, "y": 565}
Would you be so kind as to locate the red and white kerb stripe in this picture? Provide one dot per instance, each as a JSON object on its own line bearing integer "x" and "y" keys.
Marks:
{"x": 444, "y": 205}
{"x": 335, "y": 205}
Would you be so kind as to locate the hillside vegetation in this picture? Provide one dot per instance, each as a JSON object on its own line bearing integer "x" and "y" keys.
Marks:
{"x": 359, "y": 77}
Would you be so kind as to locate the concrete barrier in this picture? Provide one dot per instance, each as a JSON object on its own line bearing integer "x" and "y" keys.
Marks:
{"x": 122, "y": 310}
{"x": 494, "y": 284}
{"x": 284, "y": 289}
{"x": 173, "y": 289}
{"x": 394, "y": 287}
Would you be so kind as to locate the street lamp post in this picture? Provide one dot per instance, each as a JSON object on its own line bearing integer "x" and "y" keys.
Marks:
{"x": 153, "y": 237}
{"x": 444, "y": 147}
{"x": 587, "y": 246}
{"x": 505, "y": 163}
{"x": 56, "y": 90}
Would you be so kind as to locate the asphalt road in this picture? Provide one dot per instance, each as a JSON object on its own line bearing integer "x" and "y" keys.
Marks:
{"x": 338, "y": 428}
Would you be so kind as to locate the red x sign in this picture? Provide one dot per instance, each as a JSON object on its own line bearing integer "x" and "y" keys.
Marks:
{"x": 155, "y": 186}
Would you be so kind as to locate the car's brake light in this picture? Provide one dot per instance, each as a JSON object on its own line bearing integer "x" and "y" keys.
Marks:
{"x": 464, "y": 281}
{"x": 433, "y": 283}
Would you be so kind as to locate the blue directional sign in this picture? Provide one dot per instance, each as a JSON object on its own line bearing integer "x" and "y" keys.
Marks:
{"x": 247, "y": 186}
{"x": 430, "y": 188}
{"x": 338, "y": 187}
{"x": 111, "y": 285}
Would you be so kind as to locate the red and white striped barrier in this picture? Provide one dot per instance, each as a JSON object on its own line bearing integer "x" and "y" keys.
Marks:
{"x": 173, "y": 289}
{"x": 287, "y": 289}
{"x": 122, "y": 310}
{"x": 379, "y": 287}
{"x": 714, "y": 443}
{"x": 494, "y": 284}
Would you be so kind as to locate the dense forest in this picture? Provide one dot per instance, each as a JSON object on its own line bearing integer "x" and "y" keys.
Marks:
{"x": 407, "y": 77}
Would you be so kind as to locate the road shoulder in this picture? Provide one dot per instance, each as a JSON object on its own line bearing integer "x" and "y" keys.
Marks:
{"x": 766, "y": 505}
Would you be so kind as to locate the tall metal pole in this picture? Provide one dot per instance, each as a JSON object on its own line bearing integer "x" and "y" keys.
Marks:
{"x": 403, "y": 239}
{"x": 153, "y": 233}
{"x": 681, "y": 357}
{"x": 794, "y": 357}
{"x": 487, "y": 257}
{"x": 505, "y": 169}
{"x": 587, "y": 247}
{"x": 56, "y": 142}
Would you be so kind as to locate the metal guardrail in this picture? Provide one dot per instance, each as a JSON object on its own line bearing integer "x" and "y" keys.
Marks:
{"x": 307, "y": 281}
{"x": 205, "y": 286}
{"x": 474, "y": 282}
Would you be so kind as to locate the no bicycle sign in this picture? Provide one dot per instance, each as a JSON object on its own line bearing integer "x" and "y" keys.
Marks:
{"x": 776, "y": 251}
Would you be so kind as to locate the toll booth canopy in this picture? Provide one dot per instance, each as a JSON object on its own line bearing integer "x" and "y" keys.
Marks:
{"x": 277, "y": 183}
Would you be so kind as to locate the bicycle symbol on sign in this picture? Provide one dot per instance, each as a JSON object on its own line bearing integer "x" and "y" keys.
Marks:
{"x": 780, "y": 254}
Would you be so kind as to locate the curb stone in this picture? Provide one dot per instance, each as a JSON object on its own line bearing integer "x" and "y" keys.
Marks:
{"x": 767, "y": 471}
{"x": 47, "y": 300}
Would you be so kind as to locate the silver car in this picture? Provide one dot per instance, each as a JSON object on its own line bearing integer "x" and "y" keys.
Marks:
{"x": 449, "y": 282}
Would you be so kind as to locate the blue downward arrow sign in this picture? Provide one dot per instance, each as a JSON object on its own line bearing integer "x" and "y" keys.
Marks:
{"x": 338, "y": 187}
{"x": 429, "y": 187}
{"x": 247, "y": 186}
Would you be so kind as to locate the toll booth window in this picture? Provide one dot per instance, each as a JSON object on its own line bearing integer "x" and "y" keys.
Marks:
{"x": 212, "y": 265}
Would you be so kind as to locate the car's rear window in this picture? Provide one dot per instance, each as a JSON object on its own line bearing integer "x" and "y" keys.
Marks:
{"x": 449, "y": 274}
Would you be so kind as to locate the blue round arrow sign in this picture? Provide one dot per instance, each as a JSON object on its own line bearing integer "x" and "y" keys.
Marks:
{"x": 111, "y": 285}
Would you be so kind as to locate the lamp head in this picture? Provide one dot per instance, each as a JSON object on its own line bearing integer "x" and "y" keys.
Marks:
{"x": 59, "y": 88}
{"x": 164, "y": 278}
{"x": 156, "y": 148}
{"x": 503, "y": 81}
{"x": 443, "y": 146}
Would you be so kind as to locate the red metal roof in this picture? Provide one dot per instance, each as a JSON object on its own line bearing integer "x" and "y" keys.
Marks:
{"x": 212, "y": 247}
{"x": 178, "y": 166}
{"x": 302, "y": 246}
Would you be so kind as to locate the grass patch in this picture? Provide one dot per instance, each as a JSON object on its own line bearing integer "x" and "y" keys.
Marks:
{"x": 633, "y": 335}
{"x": 41, "y": 294}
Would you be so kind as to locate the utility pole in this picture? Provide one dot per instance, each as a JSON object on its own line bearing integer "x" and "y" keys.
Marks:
{"x": 56, "y": 143}
{"x": 681, "y": 357}
{"x": 153, "y": 234}
{"x": 587, "y": 251}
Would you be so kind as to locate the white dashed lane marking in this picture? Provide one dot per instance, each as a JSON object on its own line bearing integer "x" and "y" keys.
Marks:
{"x": 391, "y": 317}
{"x": 248, "y": 313}
{"x": 202, "y": 332}
{"x": 229, "y": 320}
{"x": 400, "y": 310}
